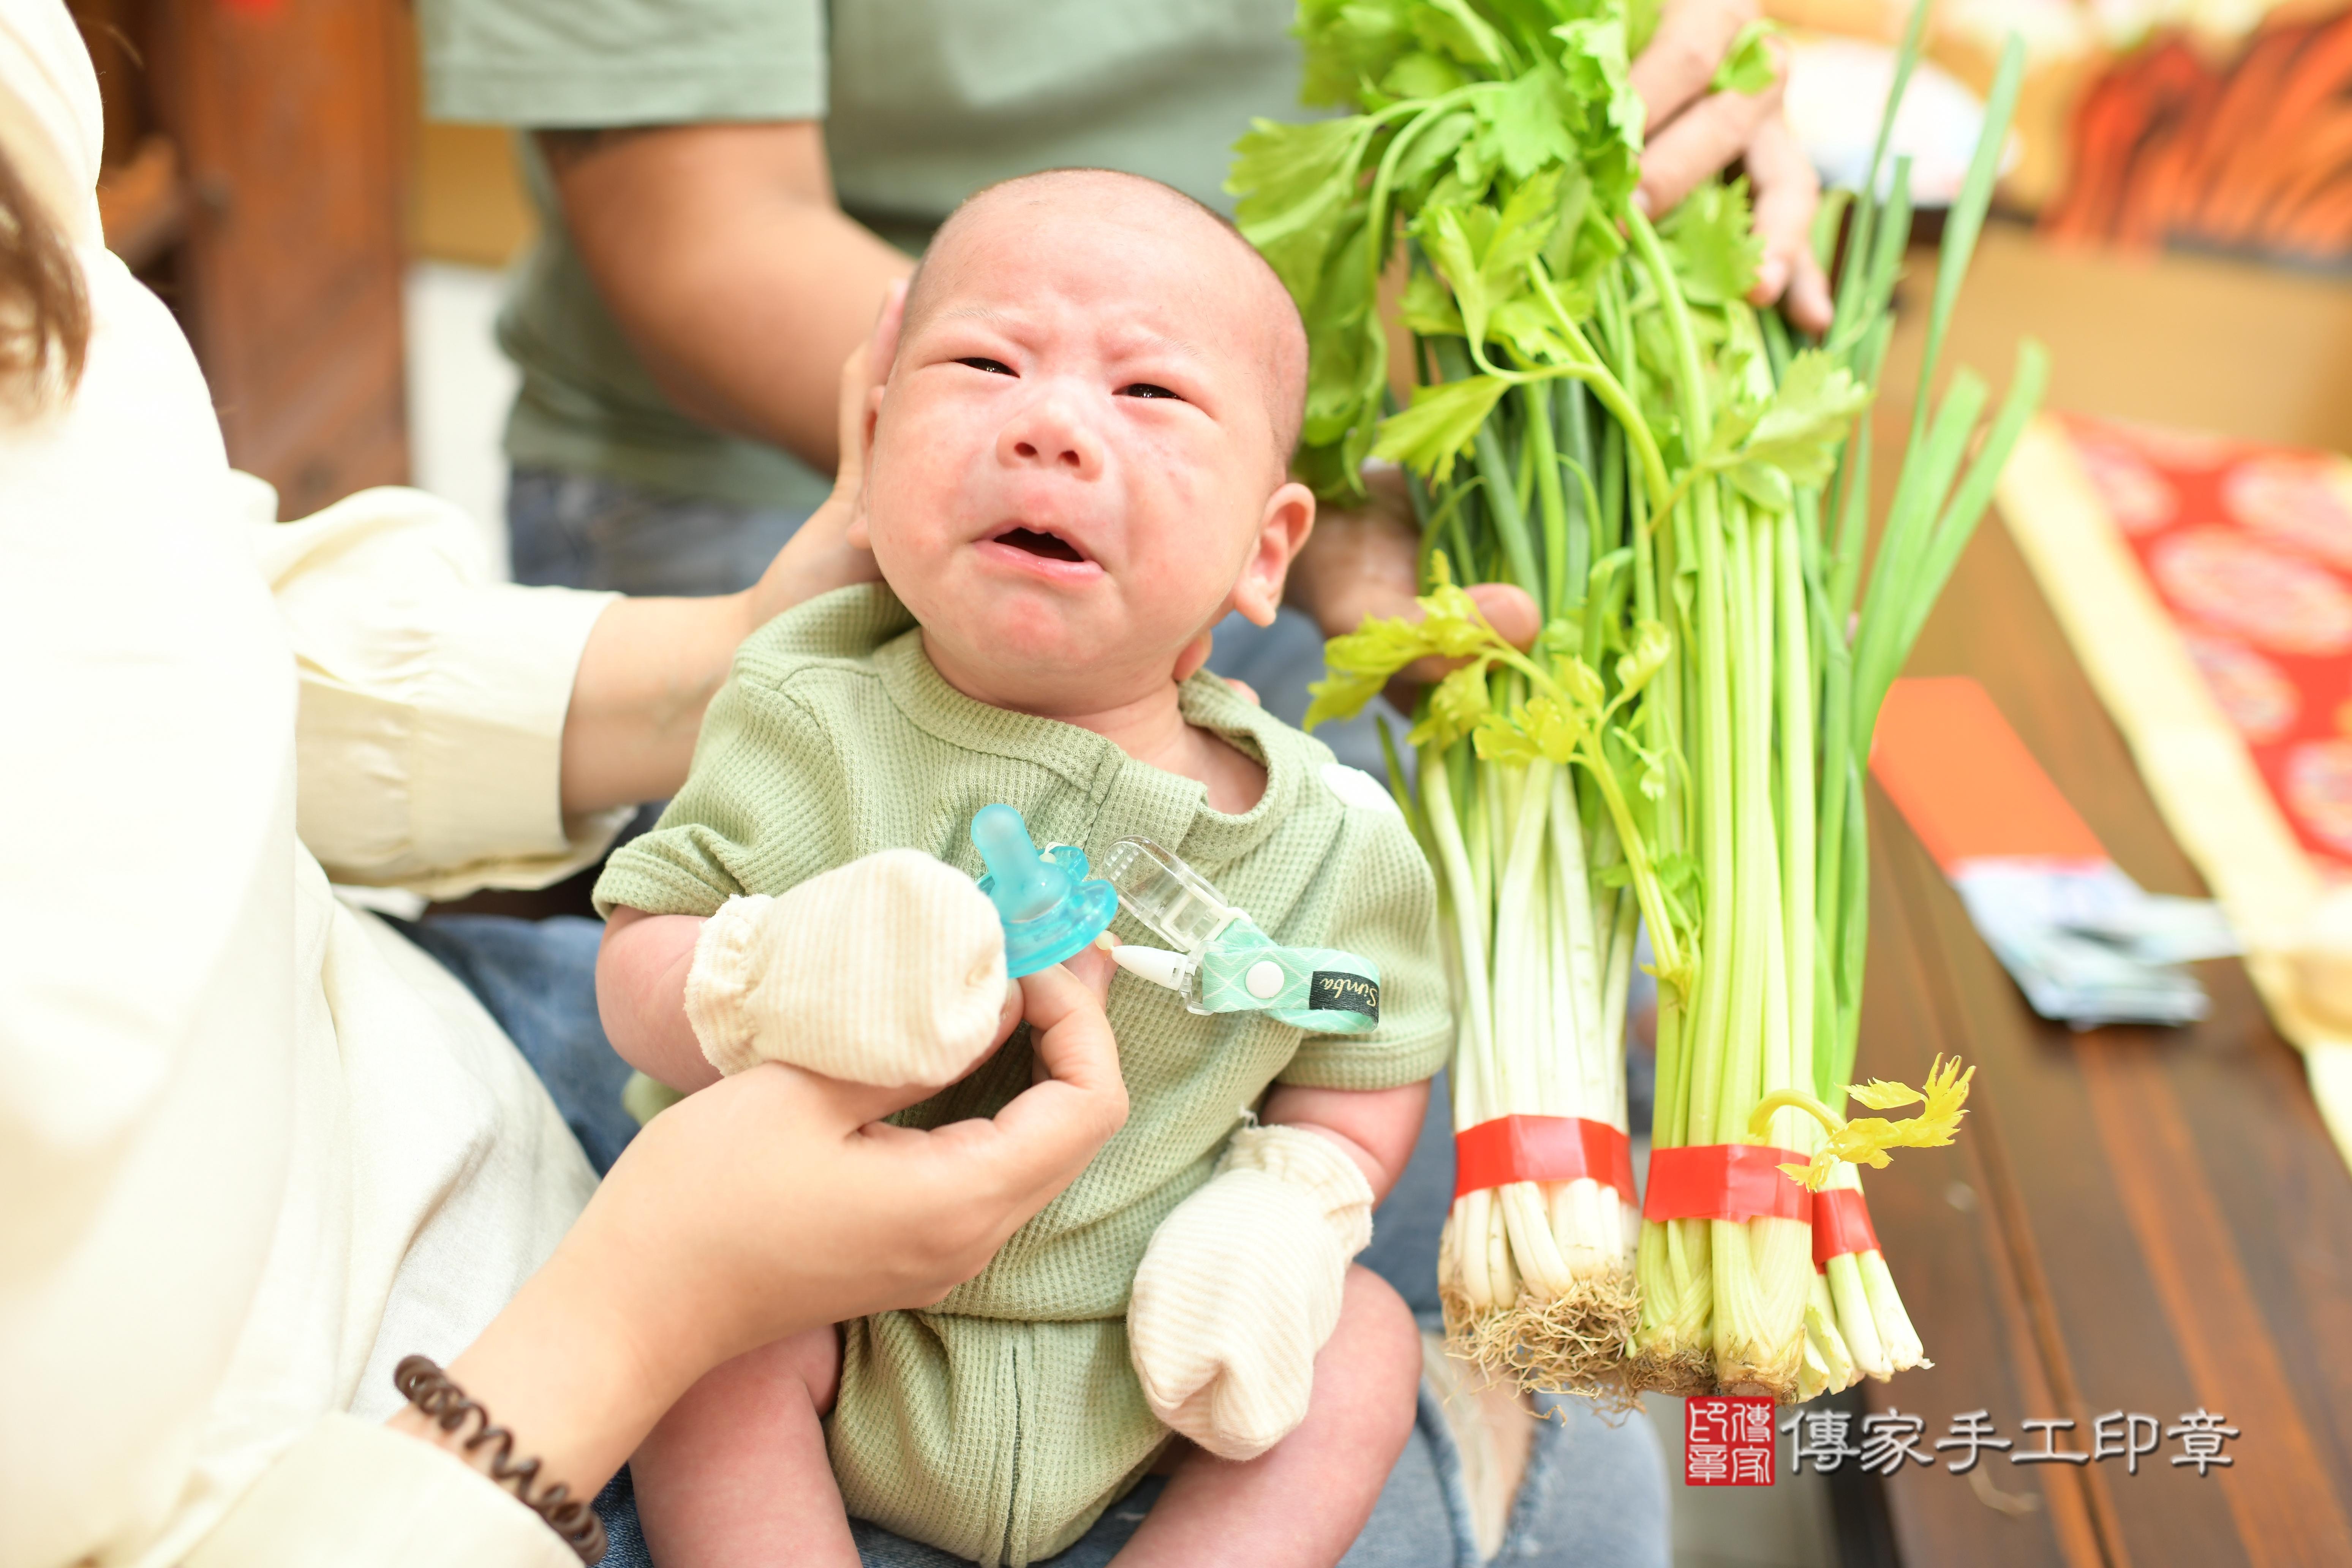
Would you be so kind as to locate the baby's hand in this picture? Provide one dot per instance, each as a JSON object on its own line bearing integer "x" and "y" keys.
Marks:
{"x": 888, "y": 971}
{"x": 1241, "y": 1285}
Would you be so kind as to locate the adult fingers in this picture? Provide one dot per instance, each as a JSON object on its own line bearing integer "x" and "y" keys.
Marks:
{"x": 1094, "y": 967}
{"x": 863, "y": 373}
{"x": 1787, "y": 195}
{"x": 983, "y": 1180}
{"x": 818, "y": 558}
{"x": 1683, "y": 56}
{"x": 886, "y": 322}
{"x": 1045, "y": 1136}
{"x": 1008, "y": 1017}
{"x": 1509, "y": 609}
{"x": 1360, "y": 560}
{"x": 1699, "y": 143}
{"x": 1369, "y": 565}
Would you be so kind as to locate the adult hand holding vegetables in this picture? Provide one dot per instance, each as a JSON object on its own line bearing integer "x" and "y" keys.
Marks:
{"x": 1362, "y": 561}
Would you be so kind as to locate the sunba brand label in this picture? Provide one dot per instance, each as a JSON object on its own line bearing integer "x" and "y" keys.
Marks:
{"x": 1336, "y": 991}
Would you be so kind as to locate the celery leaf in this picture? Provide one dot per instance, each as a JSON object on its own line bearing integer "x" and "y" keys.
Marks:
{"x": 1457, "y": 704}
{"x": 1422, "y": 75}
{"x": 1348, "y": 43}
{"x": 1528, "y": 123}
{"x": 1442, "y": 422}
{"x": 1747, "y": 66}
{"x": 1341, "y": 696}
{"x": 1712, "y": 241}
{"x": 1799, "y": 431}
{"x": 1433, "y": 144}
{"x": 1428, "y": 309}
{"x": 1454, "y": 29}
{"x": 1768, "y": 449}
{"x": 1296, "y": 183}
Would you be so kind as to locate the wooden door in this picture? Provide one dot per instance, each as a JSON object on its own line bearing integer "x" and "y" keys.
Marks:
{"x": 279, "y": 128}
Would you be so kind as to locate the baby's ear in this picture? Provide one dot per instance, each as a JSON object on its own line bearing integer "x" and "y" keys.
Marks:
{"x": 1282, "y": 530}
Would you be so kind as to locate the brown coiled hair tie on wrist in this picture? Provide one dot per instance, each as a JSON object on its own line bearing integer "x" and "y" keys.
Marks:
{"x": 424, "y": 1385}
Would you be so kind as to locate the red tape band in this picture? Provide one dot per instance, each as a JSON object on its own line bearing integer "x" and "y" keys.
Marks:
{"x": 1724, "y": 1181}
{"x": 1841, "y": 1225}
{"x": 1541, "y": 1149}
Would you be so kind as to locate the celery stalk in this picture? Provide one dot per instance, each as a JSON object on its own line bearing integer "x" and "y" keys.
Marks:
{"x": 1603, "y": 421}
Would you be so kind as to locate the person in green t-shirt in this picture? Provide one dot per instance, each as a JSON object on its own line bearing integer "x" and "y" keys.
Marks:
{"x": 726, "y": 187}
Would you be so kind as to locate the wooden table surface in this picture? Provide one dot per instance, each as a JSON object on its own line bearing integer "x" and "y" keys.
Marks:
{"x": 2133, "y": 1220}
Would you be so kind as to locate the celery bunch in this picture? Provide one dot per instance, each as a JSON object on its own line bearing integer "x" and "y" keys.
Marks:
{"x": 1599, "y": 417}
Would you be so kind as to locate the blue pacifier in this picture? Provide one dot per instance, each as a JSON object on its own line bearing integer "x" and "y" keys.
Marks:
{"x": 1050, "y": 907}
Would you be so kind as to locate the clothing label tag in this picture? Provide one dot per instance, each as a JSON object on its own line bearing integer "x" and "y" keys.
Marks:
{"x": 1336, "y": 991}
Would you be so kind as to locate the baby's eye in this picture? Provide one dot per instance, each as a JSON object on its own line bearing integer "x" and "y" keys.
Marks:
{"x": 1145, "y": 389}
{"x": 992, "y": 366}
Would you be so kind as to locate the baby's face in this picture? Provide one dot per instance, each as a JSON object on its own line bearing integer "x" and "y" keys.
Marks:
{"x": 1075, "y": 467}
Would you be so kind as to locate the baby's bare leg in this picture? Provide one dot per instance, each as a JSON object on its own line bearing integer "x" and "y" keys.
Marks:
{"x": 1303, "y": 1500}
{"x": 736, "y": 1473}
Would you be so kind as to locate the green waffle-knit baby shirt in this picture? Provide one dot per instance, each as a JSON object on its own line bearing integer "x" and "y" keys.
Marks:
{"x": 1000, "y": 1424}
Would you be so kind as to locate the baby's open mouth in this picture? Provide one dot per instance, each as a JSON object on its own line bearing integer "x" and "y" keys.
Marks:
{"x": 1053, "y": 547}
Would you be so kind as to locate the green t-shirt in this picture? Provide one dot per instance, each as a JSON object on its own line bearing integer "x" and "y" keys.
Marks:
{"x": 834, "y": 738}
{"x": 924, "y": 101}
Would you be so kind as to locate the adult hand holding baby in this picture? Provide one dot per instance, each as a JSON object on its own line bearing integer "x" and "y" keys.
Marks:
{"x": 772, "y": 1203}
{"x": 819, "y": 558}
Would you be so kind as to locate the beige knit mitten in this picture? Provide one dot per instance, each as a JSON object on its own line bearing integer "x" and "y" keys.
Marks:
{"x": 1240, "y": 1288}
{"x": 888, "y": 971}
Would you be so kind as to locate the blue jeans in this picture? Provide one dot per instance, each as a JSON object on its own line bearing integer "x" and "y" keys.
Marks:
{"x": 581, "y": 530}
{"x": 538, "y": 979}
{"x": 1594, "y": 1496}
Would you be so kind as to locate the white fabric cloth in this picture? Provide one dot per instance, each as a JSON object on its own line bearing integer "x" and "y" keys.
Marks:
{"x": 254, "y": 1146}
{"x": 1241, "y": 1287}
{"x": 890, "y": 970}
{"x": 357, "y": 1492}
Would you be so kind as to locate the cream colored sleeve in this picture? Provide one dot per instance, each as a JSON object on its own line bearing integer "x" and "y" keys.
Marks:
{"x": 361, "y": 1495}
{"x": 430, "y": 736}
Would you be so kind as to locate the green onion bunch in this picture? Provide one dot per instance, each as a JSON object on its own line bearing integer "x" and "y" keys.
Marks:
{"x": 1682, "y": 484}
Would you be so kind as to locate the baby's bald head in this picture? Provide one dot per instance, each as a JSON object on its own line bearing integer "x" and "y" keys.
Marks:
{"x": 1234, "y": 280}
{"x": 1079, "y": 462}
